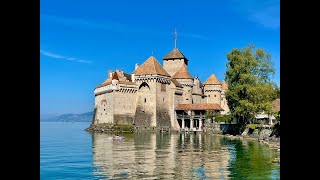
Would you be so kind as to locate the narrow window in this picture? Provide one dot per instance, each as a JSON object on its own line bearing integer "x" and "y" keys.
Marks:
{"x": 145, "y": 99}
{"x": 163, "y": 99}
{"x": 163, "y": 87}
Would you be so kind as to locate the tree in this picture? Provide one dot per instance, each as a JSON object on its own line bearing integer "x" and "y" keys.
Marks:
{"x": 277, "y": 92}
{"x": 250, "y": 89}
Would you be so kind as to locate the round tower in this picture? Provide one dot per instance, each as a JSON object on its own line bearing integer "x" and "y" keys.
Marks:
{"x": 185, "y": 79}
{"x": 115, "y": 80}
{"x": 224, "y": 103}
{"x": 213, "y": 88}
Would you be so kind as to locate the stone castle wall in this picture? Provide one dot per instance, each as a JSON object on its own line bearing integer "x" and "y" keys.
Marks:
{"x": 213, "y": 93}
{"x": 224, "y": 103}
{"x": 104, "y": 104}
{"x": 187, "y": 90}
{"x": 124, "y": 106}
{"x": 145, "y": 114}
{"x": 172, "y": 66}
{"x": 163, "y": 105}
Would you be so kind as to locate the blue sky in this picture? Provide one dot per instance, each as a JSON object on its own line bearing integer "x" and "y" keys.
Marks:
{"x": 81, "y": 40}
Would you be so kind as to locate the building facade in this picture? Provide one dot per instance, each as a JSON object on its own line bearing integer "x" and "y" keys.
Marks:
{"x": 155, "y": 96}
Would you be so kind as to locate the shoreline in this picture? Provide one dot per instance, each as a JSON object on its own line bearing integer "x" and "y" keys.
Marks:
{"x": 271, "y": 142}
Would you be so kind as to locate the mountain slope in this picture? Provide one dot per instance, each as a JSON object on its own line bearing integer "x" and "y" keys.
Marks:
{"x": 84, "y": 117}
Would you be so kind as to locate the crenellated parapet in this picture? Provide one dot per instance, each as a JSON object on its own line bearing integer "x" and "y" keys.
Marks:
{"x": 153, "y": 78}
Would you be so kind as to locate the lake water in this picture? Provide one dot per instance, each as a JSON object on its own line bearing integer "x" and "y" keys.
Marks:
{"x": 67, "y": 151}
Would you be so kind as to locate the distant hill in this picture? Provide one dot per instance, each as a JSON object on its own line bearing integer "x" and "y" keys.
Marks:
{"x": 85, "y": 117}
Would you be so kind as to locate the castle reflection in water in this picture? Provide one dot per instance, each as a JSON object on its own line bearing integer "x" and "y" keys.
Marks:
{"x": 146, "y": 155}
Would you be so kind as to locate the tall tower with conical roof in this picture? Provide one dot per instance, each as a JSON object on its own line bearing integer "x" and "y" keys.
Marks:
{"x": 212, "y": 88}
{"x": 152, "y": 100}
{"x": 185, "y": 79}
{"x": 174, "y": 60}
{"x": 224, "y": 102}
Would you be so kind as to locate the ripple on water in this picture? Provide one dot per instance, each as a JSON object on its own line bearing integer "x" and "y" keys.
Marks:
{"x": 68, "y": 152}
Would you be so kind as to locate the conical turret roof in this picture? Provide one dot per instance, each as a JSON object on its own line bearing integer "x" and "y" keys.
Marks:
{"x": 151, "y": 66}
{"x": 182, "y": 73}
{"x": 174, "y": 54}
{"x": 115, "y": 76}
{"x": 224, "y": 85}
{"x": 212, "y": 80}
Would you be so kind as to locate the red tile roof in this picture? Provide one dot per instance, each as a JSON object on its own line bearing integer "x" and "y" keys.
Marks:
{"x": 212, "y": 80}
{"x": 115, "y": 75}
{"x": 151, "y": 66}
{"x": 198, "y": 107}
{"x": 182, "y": 73}
{"x": 174, "y": 54}
{"x": 224, "y": 85}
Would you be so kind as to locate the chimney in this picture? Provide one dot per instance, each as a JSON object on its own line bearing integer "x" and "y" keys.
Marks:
{"x": 110, "y": 73}
{"x": 137, "y": 65}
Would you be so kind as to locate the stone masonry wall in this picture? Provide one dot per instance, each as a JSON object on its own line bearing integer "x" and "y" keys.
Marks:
{"x": 104, "y": 104}
{"x": 162, "y": 105}
{"x": 177, "y": 99}
{"x": 224, "y": 103}
{"x": 145, "y": 114}
{"x": 187, "y": 90}
{"x": 196, "y": 99}
{"x": 124, "y": 107}
{"x": 172, "y": 66}
{"x": 213, "y": 93}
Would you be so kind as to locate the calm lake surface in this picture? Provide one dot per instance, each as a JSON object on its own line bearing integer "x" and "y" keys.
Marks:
{"x": 67, "y": 151}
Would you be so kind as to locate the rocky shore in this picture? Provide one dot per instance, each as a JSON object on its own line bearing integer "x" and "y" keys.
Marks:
{"x": 106, "y": 127}
{"x": 272, "y": 142}
{"x": 263, "y": 136}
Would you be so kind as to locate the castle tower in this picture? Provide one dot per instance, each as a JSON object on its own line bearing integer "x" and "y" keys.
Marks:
{"x": 115, "y": 80}
{"x": 173, "y": 61}
{"x": 212, "y": 88}
{"x": 185, "y": 79}
{"x": 224, "y": 102}
{"x": 197, "y": 86}
{"x": 152, "y": 101}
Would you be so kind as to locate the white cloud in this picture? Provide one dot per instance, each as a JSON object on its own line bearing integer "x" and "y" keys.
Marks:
{"x": 57, "y": 56}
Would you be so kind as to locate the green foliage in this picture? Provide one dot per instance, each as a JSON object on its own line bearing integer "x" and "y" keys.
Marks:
{"x": 277, "y": 116}
{"x": 209, "y": 114}
{"x": 250, "y": 89}
{"x": 123, "y": 128}
{"x": 253, "y": 126}
{"x": 276, "y": 127}
{"x": 277, "y": 89}
{"x": 223, "y": 118}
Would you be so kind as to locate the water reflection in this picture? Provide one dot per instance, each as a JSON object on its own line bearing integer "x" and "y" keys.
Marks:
{"x": 179, "y": 156}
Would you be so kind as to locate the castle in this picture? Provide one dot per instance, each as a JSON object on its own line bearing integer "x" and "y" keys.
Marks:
{"x": 155, "y": 96}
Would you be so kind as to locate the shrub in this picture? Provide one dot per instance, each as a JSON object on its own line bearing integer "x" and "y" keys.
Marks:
{"x": 224, "y": 118}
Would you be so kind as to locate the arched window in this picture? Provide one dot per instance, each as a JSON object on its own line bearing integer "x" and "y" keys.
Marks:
{"x": 144, "y": 85}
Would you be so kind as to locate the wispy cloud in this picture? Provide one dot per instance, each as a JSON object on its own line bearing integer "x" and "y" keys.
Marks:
{"x": 265, "y": 13}
{"x": 57, "y": 56}
{"x": 108, "y": 25}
